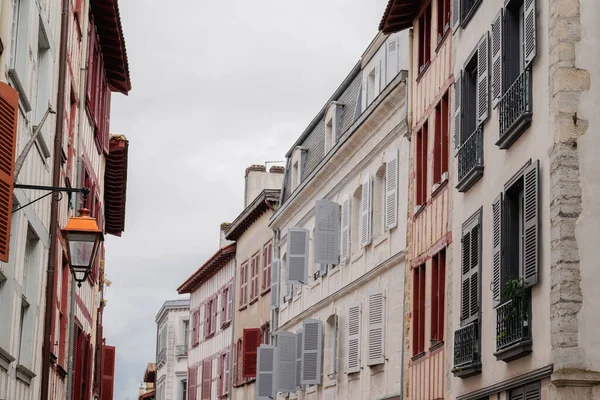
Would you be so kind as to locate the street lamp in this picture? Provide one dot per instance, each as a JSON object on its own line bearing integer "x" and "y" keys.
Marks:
{"x": 83, "y": 239}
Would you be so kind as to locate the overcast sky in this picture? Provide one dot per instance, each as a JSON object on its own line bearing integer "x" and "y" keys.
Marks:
{"x": 217, "y": 86}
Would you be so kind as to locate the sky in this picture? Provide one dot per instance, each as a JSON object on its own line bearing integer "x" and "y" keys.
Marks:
{"x": 216, "y": 87}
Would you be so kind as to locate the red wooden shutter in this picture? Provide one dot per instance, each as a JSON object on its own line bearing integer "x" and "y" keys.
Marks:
{"x": 221, "y": 377}
{"x": 226, "y": 372}
{"x": 206, "y": 378}
{"x": 108, "y": 378}
{"x": 250, "y": 343}
{"x": 90, "y": 66}
{"x": 106, "y": 120}
{"x": 9, "y": 108}
{"x": 215, "y": 313}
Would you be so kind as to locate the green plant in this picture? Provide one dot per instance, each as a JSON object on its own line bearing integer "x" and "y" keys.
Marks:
{"x": 514, "y": 290}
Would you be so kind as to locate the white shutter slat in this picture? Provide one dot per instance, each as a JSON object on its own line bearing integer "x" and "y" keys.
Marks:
{"x": 363, "y": 94}
{"x": 483, "y": 81}
{"x": 265, "y": 383}
{"x": 392, "y": 60}
{"x": 312, "y": 352}
{"x": 530, "y": 32}
{"x": 497, "y": 31}
{"x": 299, "y": 345}
{"x": 365, "y": 208}
{"x": 327, "y": 232}
{"x": 457, "y": 110}
{"x": 391, "y": 189}
{"x": 345, "y": 229}
{"x": 376, "y": 333}
{"x": 285, "y": 356}
{"x": 531, "y": 229}
{"x": 297, "y": 255}
{"x": 275, "y": 270}
{"x": 455, "y": 15}
{"x": 353, "y": 344}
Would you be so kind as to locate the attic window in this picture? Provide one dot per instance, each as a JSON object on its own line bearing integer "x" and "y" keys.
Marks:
{"x": 332, "y": 118}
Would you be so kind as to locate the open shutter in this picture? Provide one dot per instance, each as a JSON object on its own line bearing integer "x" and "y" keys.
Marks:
{"x": 235, "y": 364}
{"x": 9, "y": 106}
{"x": 455, "y": 15}
{"x": 299, "y": 359}
{"x": 191, "y": 385}
{"x": 250, "y": 343}
{"x": 275, "y": 285}
{"x": 265, "y": 382}
{"x": 227, "y": 371}
{"x": 285, "y": 372}
{"x": 365, "y": 212}
{"x": 483, "y": 80}
{"x": 312, "y": 352}
{"x": 215, "y": 313}
{"x": 229, "y": 302}
{"x": 457, "y": 110}
{"x": 391, "y": 189}
{"x": 530, "y": 33}
{"x": 327, "y": 232}
{"x": 334, "y": 353}
{"x": 108, "y": 378}
{"x": 221, "y": 377}
{"x": 354, "y": 338}
{"x": 363, "y": 94}
{"x": 106, "y": 120}
{"x": 531, "y": 225}
{"x": 470, "y": 272}
{"x": 377, "y": 86}
{"x": 345, "y": 229}
{"x": 497, "y": 28}
{"x": 376, "y": 334}
{"x": 392, "y": 60}
{"x": 206, "y": 378}
{"x": 297, "y": 255}
{"x": 497, "y": 216}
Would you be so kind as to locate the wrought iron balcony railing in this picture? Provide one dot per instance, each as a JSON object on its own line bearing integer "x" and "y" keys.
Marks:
{"x": 470, "y": 161}
{"x": 515, "y": 110}
{"x": 161, "y": 357}
{"x": 466, "y": 345}
{"x": 181, "y": 350}
{"x": 512, "y": 325}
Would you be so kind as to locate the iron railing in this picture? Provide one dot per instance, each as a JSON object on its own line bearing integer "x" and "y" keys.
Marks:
{"x": 181, "y": 350}
{"x": 466, "y": 344}
{"x": 515, "y": 102}
{"x": 161, "y": 357}
{"x": 512, "y": 324}
{"x": 470, "y": 154}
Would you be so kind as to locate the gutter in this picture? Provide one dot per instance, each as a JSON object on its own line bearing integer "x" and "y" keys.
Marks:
{"x": 232, "y": 326}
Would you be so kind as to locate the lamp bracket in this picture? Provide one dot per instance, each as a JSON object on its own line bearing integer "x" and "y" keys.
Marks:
{"x": 51, "y": 189}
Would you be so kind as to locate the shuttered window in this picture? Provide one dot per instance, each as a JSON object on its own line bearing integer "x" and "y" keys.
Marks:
{"x": 244, "y": 284}
{"x": 531, "y": 391}
{"x": 297, "y": 255}
{"x": 483, "y": 82}
{"x": 354, "y": 345}
{"x": 497, "y": 66}
{"x": 376, "y": 328}
{"x": 366, "y": 212}
{"x": 250, "y": 343}
{"x": 424, "y": 38}
{"x": 392, "y": 60}
{"x": 345, "y": 228}
{"x": 9, "y": 106}
{"x": 254, "y": 263}
{"x": 391, "y": 189}
{"x": 471, "y": 269}
{"x": 192, "y": 383}
{"x": 221, "y": 376}
{"x": 265, "y": 377}
{"x": 108, "y": 378}
{"x": 438, "y": 295}
{"x": 299, "y": 343}
{"x": 275, "y": 285}
{"x": 418, "y": 341}
{"x": 286, "y": 362}
{"x": 312, "y": 352}
{"x": 421, "y": 167}
{"x": 443, "y": 18}
{"x": 206, "y": 379}
{"x": 267, "y": 266}
{"x": 327, "y": 232}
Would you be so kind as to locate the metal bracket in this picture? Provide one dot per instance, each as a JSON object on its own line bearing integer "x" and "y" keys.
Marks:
{"x": 51, "y": 189}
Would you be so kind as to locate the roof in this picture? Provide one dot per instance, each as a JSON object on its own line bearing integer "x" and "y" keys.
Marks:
{"x": 115, "y": 185}
{"x": 263, "y": 202}
{"x": 172, "y": 305}
{"x": 147, "y": 396}
{"x": 208, "y": 269}
{"x": 150, "y": 373}
{"x": 399, "y": 15}
{"x": 107, "y": 20}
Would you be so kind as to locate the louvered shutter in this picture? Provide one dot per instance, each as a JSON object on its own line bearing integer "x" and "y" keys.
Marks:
{"x": 285, "y": 372}
{"x": 206, "y": 379}
{"x": 376, "y": 334}
{"x": 363, "y": 94}
{"x": 229, "y": 302}
{"x": 250, "y": 343}
{"x": 235, "y": 364}
{"x": 327, "y": 232}
{"x": 530, "y": 32}
{"x": 391, "y": 189}
{"x": 299, "y": 359}
{"x": 483, "y": 80}
{"x": 365, "y": 212}
{"x": 457, "y": 110}
{"x": 106, "y": 120}
{"x": 497, "y": 51}
{"x": 354, "y": 338}
{"x": 206, "y": 319}
{"x": 334, "y": 352}
{"x": 108, "y": 378}
{"x": 455, "y": 15}
{"x": 297, "y": 255}
{"x": 227, "y": 371}
{"x": 9, "y": 106}
{"x": 377, "y": 86}
{"x": 392, "y": 60}
{"x": 215, "y": 312}
{"x": 345, "y": 229}
{"x": 323, "y": 268}
{"x": 265, "y": 382}
{"x": 312, "y": 352}
{"x": 191, "y": 387}
{"x": 470, "y": 272}
{"x": 497, "y": 216}
{"x": 531, "y": 225}
{"x": 220, "y": 378}
{"x": 275, "y": 285}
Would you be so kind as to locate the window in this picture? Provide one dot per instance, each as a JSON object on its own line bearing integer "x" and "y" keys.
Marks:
{"x": 371, "y": 86}
{"x": 254, "y": 277}
{"x": 531, "y": 391}
{"x": 222, "y": 386}
{"x": 43, "y": 74}
{"x": 438, "y": 294}
{"x": 471, "y": 269}
{"x": 186, "y": 333}
{"x": 469, "y": 93}
{"x": 244, "y": 284}
{"x": 440, "y": 147}
{"x": 14, "y": 34}
{"x": 379, "y": 202}
{"x": 265, "y": 334}
{"x": 421, "y": 165}
{"x": 354, "y": 226}
{"x": 443, "y": 18}
{"x": 183, "y": 390}
{"x": 267, "y": 266}
{"x": 418, "y": 341}
{"x": 468, "y": 9}
{"x": 210, "y": 317}
{"x": 425, "y": 38}
{"x": 226, "y": 305}
{"x": 24, "y": 308}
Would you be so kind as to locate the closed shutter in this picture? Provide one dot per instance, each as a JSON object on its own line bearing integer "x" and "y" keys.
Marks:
{"x": 470, "y": 272}
{"x": 531, "y": 225}
{"x": 327, "y": 232}
{"x": 354, "y": 338}
{"x": 299, "y": 359}
{"x": 191, "y": 387}
{"x": 530, "y": 32}
{"x": 275, "y": 285}
{"x": 497, "y": 61}
{"x": 392, "y": 60}
{"x": 297, "y": 255}
{"x": 345, "y": 229}
{"x": 365, "y": 212}
{"x": 376, "y": 334}
{"x": 391, "y": 189}
{"x": 108, "y": 378}
{"x": 206, "y": 379}
{"x": 229, "y": 302}
{"x": 312, "y": 352}
{"x": 206, "y": 320}
{"x": 497, "y": 216}
{"x": 531, "y": 391}
{"x": 265, "y": 382}
{"x": 250, "y": 343}
{"x": 455, "y": 15}
{"x": 285, "y": 372}
{"x": 483, "y": 81}
{"x": 457, "y": 110}
{"x": 9, "y": 107}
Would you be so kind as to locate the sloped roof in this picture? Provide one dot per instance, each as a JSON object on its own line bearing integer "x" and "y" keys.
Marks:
{"x": 399, "y": 15}
{"x": 265, "y": 200}
{"x": 208, "y": 269}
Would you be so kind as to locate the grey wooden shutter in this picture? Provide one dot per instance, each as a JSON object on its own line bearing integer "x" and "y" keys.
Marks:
{"x": 323, "y": 269}
{"x": 265, "y": 382}
{"x": 327, "y": 232}
{"x": 497, "y": 216}
{"x": 299, "y": 345}
{"x": 531, "y": 224}
{"x": 275, "y": 270}
{"x": 345, "y": 229}
{"x": 531, "y": 391}
{"x": 391, "y": 189}
{"x": 497, "y": 30}
{"x": 312, "y": 352}
{"x": 470, "y": 299}
{"x": 392, "y": 60}
{"x": 457, "y": 110}
{"x": 530, "y": 32}
{"x": 376, "y": 328}
{"x": 483, "y": 81}
{"x": 285, "y": 355}
{"x": 365, "y": 213}
{"x": 297, "y": 255}
{"x": 455, "y": 15}
{"x": 353, "y": 338}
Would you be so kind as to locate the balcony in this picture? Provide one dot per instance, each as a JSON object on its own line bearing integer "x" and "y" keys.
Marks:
{"x": 513, "y": 336}
{"x": 466, "y": 351}
{"x": 515, "y": 110}
{"x": 470, "y": 161}
{"x": 161, "y": 357}
{"x": 181, "y": 350}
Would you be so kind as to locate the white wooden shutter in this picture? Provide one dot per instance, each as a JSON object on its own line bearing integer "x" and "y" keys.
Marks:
{"x": 345, "y": 229}
{"x": 455, "y": 15}
{"x": 497, "y": 217}
{"x": 530, "y": 32}
{"x": 275, "y": 270}
{"x": 457, "y": 110}
{"x": 497, "y": 30}
{"x": 365, "y": 207}
{"x": 483, "y": 80}
{"x": 376, "y": 327}
{"x": 334, "y": 351}
{"x": 312, "y": 352}
{"x": 363, "y": 94}
{"x": 353, "y": 338}
{"x": 285, "y": 355}
{"x": 377, "y": 87}
{"x": 392, "y": 60}
{"x": 391, "y": 189}
{"x": 323, "y": 269}
{"x": 531, "y": 225}
{"x": 299, "y": 344}
{"x": 265, "y": 382}
{"x": 297, "y": 255}
{"x": 327, "y": 232}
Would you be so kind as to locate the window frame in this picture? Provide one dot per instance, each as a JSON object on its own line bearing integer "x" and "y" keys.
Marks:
{"x": 438, "y": 297}
{"x": 254, "y": 277}
{"x": 244, "y": 285}
{"x": 441, "y": 149}
{"x": 444, "y": 12}
{"x": 467, "y": 15}
{"x": 421, "y": 165}
{"x": 419, "y": 311}
{"x": 424, "y": 43}
{"x": 267, "y": 267}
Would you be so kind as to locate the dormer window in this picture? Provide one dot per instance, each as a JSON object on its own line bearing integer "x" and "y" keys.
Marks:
{"x": 298, "y": 157}
{"x": 332, "y": 118}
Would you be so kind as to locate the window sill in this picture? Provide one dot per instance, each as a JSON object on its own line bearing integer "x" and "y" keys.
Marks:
{"x": 252, "y": 301}
{"x": 357, "y": 256}
{"x": 311, "y": 389}
{"x": 333, "y": 271}
{"x": 467, "y": 371}
{"x": 516, "y": 351}
{"x": 225, "y": 324}
{"x": 265, "y": 291}
{"x": 242, "y": 308}
{"x": 419, "y": 209}
{"x": 439, "y": 187}
{"x": 418, "y": 356}
{"x": 381, "y": 238}
{"x": 442, "y": 39}
{"x": 316, "y": 282}
{"x": 423, "y": 70}
{"x": 470, "y": 14}
{"x": 436, "y": 346}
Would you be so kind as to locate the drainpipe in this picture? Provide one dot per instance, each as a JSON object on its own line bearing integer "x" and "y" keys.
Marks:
{"x": 276, "y": 256}
{"x": 409, "y": 90}
{"x": 56, "y": 164}
{"x": 231, "y": 352}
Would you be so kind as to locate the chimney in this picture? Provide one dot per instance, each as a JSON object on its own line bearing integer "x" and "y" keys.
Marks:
{"x": 258, "y": 179}
{"x": 222, "y": 241}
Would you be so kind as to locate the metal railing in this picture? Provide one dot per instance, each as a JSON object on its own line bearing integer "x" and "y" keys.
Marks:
{"x": 466, "y": 344}
{"x": 161, "y": 357}
{"x": 470, "y": 154}
{"x": 512, "y": 324}
{"x": 181, "y": 350}
{"x": 515, "y": 102}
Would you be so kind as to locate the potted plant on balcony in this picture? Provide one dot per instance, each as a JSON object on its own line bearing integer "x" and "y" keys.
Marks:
{"x": 515, "y": 299}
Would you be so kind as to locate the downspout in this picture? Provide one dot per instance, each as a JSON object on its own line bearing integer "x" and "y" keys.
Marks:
{"x": 231, "y": 352}
{"x": 56, "y": 164}
{"x": 409, "y": 91}
{"x": 275, "y": 312}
